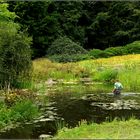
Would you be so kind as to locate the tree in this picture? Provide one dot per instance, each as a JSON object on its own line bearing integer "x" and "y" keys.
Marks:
{"x": 92, "y": 24}
{"x": 70, "y": 14}
{"x": 47, "y": 20}
{"x": 117, "y": 25}
{"x": 41, "y": 21}
{"x": 15, "y": 54}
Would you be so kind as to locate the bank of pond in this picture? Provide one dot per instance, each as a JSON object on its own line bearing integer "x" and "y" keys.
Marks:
{"x": 117, "y": 129}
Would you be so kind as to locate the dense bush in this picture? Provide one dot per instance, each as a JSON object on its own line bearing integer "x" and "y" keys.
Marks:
{"x": 96, "y": 53}
{"x": 64, "y": 45}
{"x": 133, "y": 47}
{"x": 127, "y": 49}
{"x": 114, "y": 51}
{"x": 69, "y": 58}
{"x": 64, "y": 49}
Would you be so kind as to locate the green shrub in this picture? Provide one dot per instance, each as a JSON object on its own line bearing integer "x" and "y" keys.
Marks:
{"x": 25, "y": 110}
{"x": 123, "y": 50}
{"x": 133, "y": 47}
{"x": 64, "y": 45}
{"x": 96, "y": 53}
{"x": 114, "y": 51}
{"x": 69, "y": 58}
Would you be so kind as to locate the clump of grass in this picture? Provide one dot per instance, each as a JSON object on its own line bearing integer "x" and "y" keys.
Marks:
{"x": 106, "y": 76}
{"x": 129, "y": 75}
{"x": 24, "y": 111}
{"x": 19, "y": 112}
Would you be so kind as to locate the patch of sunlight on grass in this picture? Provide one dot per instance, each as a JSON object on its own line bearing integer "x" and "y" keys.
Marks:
{"x": 126, "y": 68}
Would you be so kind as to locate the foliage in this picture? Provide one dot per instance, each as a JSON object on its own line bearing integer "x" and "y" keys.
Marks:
{"x": 4, "y": 117}
{"x": 25, "y": 110}
{"x": 132, "y": 48}
{"x": 64, "y": 49}
{"x": 47, "y": 20}
{"x": 114, "y": 51}
{"x": 15, "y": 61}
{"x": 96, "y": 53}
{"x": 69, "y": 58}
{"x": 121, "y": 37}
{"x": 64, "y": 45}
{"x": 20, "y": 112}
{"x": 94, "y": 25}
{"x": 40, "y": 20}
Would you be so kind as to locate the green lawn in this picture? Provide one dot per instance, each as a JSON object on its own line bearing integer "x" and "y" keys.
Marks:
{"x": 108, "y": 130}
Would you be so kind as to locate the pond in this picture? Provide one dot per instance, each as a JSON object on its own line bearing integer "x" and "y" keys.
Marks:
{"x": 69, "y": 104}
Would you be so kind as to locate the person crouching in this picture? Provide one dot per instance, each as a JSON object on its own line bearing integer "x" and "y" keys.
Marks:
{"x": 117, "y": 88}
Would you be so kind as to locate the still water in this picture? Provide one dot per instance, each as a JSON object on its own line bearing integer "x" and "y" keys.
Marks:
{"x": 68, "y": 105}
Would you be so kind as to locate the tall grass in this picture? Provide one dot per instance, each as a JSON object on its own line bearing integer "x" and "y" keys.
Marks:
{"x": 130, "y": 78}
{"x": 125, "y": 68}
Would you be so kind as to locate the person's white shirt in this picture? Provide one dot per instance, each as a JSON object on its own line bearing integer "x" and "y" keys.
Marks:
{"x": 118, "y": 86}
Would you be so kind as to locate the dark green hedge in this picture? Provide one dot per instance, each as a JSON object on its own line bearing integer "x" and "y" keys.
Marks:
{"x": 132, "y": 48}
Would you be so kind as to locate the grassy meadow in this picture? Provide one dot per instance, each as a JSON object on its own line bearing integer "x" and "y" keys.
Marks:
{"x": 105, "y": 70}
